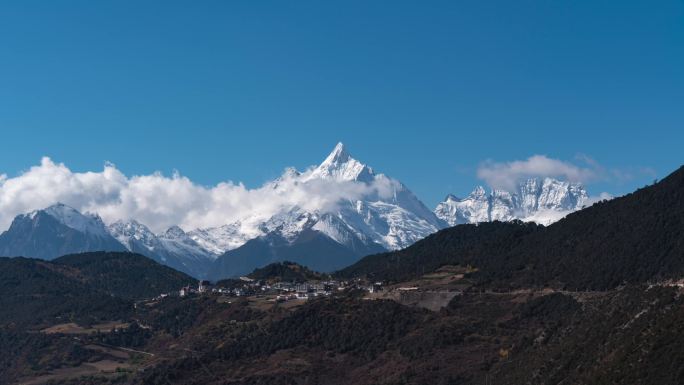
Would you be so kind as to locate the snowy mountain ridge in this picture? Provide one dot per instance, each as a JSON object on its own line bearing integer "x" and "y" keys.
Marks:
{"x": 172, "y": 247}
{"x": 340, "y": 166}
{"x": 386, "y": 212}
{"x": 542, "y": 200}
{"x": 70, "y": 217}
{"x": 343, "y": 209}
{"x": 370, "y": 213}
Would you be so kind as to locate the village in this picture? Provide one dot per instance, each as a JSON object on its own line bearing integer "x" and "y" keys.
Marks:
{"x": 431, "y": 291}
{"x": 280, "y": 291}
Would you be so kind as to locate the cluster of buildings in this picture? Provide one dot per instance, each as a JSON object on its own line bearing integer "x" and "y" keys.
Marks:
{"x": 283, "y": 291}
{"x": 202, "y": 287}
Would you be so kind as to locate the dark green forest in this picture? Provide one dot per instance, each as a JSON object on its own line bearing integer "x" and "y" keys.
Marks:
{"x": 285, "y": 271}
{"x": 126, "y": 275}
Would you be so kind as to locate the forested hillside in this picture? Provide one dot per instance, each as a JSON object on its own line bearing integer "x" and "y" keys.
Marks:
{"x": 37, "y": 292}
{"x": 125, "y": 275}
{"x": 80, "y": 288}
{"x": 285, "y": 271}
{"x": 632, "y": 239}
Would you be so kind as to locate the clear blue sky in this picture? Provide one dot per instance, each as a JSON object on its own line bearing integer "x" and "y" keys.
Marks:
{"x": 423, "y": 91}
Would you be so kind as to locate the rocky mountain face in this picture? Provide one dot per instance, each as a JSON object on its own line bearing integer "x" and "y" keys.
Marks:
{"x": 540, "y": 200}
{"x": 55, "y": 231}
{"x": 173, "y": 247}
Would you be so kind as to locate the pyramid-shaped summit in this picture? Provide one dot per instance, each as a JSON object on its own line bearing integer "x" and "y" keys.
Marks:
{"x": 341, "y": 166}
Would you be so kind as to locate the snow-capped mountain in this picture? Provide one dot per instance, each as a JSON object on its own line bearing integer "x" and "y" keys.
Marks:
{"x": 388, "y": 214}
{"x": 540, "y": 200}
{"x": 172, "y": 247}
{"x": 218, "y": 240}
{"x": 318, "y": 241}
{"x": 384, "y": 215}
{"x": 56, "y": 231}
{"x": 340, "y": 166}
{"x": 133, "y": 235}
{"x": 87, "y": 223}
{"x": 349, "y": 211}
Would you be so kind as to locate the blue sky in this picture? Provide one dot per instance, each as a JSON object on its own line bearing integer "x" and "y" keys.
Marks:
{"x": 423, "y": 91}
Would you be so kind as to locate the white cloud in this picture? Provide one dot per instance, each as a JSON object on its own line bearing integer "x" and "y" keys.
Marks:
{"x": 604, "y": 196}
{"x": 161, "y": 201}
{"x": 505, "y": 175}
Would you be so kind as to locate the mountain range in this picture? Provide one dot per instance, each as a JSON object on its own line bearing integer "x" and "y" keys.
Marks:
{"x": 541, "y": 200}
{"x": 494, "y": 302}
{"x": 378, "y": 214}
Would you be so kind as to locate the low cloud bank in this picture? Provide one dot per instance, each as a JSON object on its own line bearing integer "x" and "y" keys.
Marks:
{"x": 161, "y": 201}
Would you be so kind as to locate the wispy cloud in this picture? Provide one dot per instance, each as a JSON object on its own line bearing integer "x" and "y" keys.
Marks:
{"x": 505, "y": 175}
{"x": 583, "y": 169}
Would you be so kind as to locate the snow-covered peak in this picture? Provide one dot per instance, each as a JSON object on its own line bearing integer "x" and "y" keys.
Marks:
{"x": 173, "y": 232}
{"x": 451, "y": 197}
{"x": 473, "y": 208}
{"x": 385, "y": 212}
{"x": 130, "y": 227}
{"x": 551, "y": 194}
{"x": 342, "y": 198}
{"x": 340, "y": 166}
{"x": 339, "y": 154}
{"x": 126, "y": 231}
{"x": 542, "y": 200}
{"x": 218, "y": 240}
{"x": 173, "y": 247}
{"x": 70, "y": 217}
{"x": 478, "y": 193}
{"x": 289, "y": 224}
{"x": 290, "y": 174}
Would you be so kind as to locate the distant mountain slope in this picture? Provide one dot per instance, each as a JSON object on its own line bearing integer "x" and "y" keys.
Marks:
{"x": 173, "y": 247}
{"x": 54, "y": 231}
{"x": 635, "y": 238}
{"x": 310, "y": 248}
{"x": 125, "y": 275}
